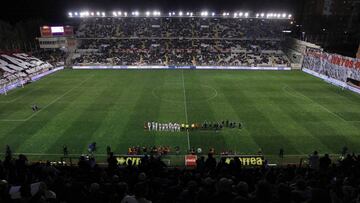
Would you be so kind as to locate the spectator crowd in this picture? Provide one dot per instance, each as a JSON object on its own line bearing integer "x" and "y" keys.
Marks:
{"x": 152, "y": 181}
{"x": 180, "y": 42}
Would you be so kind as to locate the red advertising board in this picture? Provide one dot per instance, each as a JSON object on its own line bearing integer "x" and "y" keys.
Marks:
{"x": 68, "y": 31}
{"x": 45, "y": 31}
{"x": 190, "y": 160}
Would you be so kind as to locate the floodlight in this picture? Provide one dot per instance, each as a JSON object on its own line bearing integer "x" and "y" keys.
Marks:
{"x": 119, "y": 13}
{"x": 114, "y": 14}
{"x": 213, "y": 14}
{"x": 289, "y": 16}
{"x": 92, "y": 13}
{"x": 103, "y": 14}
{"x": 191, "y": 14}
{"x": 284, "y": 15}
{"x": 235, "y": 15}
{"x": 246, "y": 14}
{"x": 180, "y": 13}
{"x": 262, "y": 15}
{"x": 187, "y": 13}
{"x": 98, "y": 13}
{"x": 241, "y": 14}
{"x": 136, "y": 13}
{"x": 257, "y": 15}
{"x": 147, "y": 13}
{"x": 70, "y": 14}
{"x": 204, "y": 13}
{"x": 125, "y": 14}
{"x": 76, "y": 13}
{"x": 173, "y": 13}
{"x": 278, "y": 15}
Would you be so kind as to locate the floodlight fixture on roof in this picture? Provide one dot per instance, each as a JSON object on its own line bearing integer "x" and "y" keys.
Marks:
{"x": 180, "y": 13}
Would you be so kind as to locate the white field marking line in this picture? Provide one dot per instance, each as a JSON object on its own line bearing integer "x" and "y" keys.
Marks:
{"x": 49, "y": 104}
{"x": 17, "y": 98}
{"x": 186, "y": 114}
{"x": 308, "y": 98}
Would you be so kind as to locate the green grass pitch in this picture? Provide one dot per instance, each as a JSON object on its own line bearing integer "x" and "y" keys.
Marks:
{"x": 279, "y": 109}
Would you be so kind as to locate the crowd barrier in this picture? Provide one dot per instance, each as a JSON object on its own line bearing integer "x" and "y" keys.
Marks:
{"x": 184, "y": 67}
{"x": 20, "y": 83}
{"x": 332, "y": 80}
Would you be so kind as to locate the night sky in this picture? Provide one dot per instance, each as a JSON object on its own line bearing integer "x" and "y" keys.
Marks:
{"x": 55, "y": 11}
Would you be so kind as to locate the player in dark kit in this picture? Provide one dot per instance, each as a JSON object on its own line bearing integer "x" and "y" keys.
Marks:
{"x": 34, "y": 107}
{"x": 65, "y": 150}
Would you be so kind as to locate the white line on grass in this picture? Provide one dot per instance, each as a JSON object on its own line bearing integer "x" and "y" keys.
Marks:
{"x": 186, "y": 114}
{"x": 49, "y": 104}
{"x": 308, "y": 98}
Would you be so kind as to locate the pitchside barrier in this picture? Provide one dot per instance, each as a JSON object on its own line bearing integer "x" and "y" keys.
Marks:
{"x": 179, "y": 160}
{"x": 185, "y": 67}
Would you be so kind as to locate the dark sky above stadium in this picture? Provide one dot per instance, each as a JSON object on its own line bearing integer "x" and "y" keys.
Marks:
{"x": 56, "y": 10}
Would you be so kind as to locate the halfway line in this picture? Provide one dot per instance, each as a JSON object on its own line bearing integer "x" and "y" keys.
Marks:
{"x": 186, "y": 115}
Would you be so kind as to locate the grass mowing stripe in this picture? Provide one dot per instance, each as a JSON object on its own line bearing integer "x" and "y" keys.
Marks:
{"x": 49, "y": 104}
{"x": 323, "y": 107}
{"x": 186, "y": 114}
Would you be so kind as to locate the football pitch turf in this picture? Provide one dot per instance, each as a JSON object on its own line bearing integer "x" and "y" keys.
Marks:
{"x": 278, "y": 109}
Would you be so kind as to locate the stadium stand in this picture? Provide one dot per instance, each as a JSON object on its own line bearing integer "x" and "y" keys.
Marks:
{"x": 153, "y": 181}
{"x": 180, "y": 42}
{"x": 334, "y": 66}
{"x": 55, "y": 57}
{"x": 20, "y": 66}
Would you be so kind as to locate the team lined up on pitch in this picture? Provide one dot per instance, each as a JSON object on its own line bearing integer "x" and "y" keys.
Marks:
{"x": 176, "y": 127}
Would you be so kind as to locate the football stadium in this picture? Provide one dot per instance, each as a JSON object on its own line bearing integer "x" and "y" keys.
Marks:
{"x": 182, "y": 105}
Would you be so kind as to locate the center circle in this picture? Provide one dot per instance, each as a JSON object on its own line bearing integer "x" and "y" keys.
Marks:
{"x": 174, "y": 92}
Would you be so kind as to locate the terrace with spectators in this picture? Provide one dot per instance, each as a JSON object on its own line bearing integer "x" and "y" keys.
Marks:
{"x": 180, "y": 41}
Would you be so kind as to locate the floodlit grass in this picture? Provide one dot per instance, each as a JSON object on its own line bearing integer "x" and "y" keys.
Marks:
{"x": 279, "y": 109}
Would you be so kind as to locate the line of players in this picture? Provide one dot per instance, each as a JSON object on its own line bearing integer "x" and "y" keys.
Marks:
{"x": 156, "y": 126}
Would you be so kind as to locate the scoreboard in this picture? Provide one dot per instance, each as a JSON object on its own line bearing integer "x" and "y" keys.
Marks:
{"x": 55, "y": 37}
{"x": 56, "y": 31}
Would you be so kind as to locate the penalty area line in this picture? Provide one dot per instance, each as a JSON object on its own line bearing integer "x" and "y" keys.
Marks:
{"x": 49, "y": 104}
